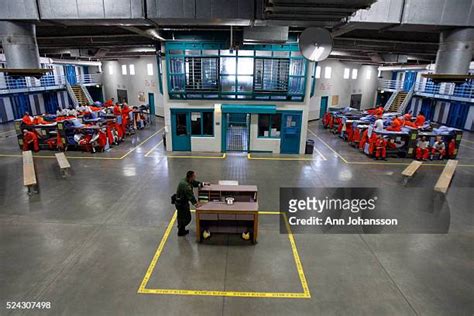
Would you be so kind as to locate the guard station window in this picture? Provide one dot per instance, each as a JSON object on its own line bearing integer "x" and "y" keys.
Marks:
{"x": 202, "y": 123}
{"x": 271, "y": 75}
{"x": 269, "y": 125}
{"x": 209, "y": 71}
{"x": 202, "y": 74}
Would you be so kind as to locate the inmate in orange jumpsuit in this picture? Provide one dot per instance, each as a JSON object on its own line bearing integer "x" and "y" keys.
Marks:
{"x": 372, "y": 141}
{"x": 109, "y": 102}
{"x": 396, "y": 125}
{"x": 419, "y": 121}
{"x": 125, "y": 111}
{"x": 452, "y": 148}
{"x": 422, "y": 150}
{"x": 27, "y": 119}
{"x": 380, "y": 148}
{"x": 30, "y": 138}
{"x": 356, "y": 135}
{"x": 377, "y": 111}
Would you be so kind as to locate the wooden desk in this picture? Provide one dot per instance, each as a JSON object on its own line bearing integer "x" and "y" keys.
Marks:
{"x": 219, "y": 217}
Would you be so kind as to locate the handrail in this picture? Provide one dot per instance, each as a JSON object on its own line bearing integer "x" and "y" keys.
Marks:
{"x": 407, "y": 100}
{"x": 87, "y": 94}
{"x": 390, "y": 84}
{"x": 428, "y": 87}
{"x": 390, "y": 101}
{"x": 71, "y": 94}
{"x": 10, "y": 84}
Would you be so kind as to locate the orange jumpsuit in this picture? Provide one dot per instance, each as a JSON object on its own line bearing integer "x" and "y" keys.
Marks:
{"x": 356, "y": 135}
{"x": 380, "y": 148}
{"x": 109, "y": 103}
{"x": 452, "y": 148}
{"x": 396, "y": 125}
{"x": 125, "y": 111}
{"x": 27, "y": 120}
{"x": 422, "y": 153}
{"x": 349, "y": 132}
{"x": 377, "y": 111}
{"x": 372, "y": 142}
{"x": 420, "y": 120}
{"x": 28, "y": 139}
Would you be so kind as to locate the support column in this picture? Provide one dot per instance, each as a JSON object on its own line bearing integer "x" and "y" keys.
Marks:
{"x": 455, "y": 51}
{"x": 19, "y": 45}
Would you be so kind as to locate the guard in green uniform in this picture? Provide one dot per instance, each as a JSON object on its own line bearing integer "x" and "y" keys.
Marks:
{"x": 184, "y": 195}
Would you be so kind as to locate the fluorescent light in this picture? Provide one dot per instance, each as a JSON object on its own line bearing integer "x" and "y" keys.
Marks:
{"x": 124, "y": 69}
{"x": 132, "y": 69}
{"x": 111, "y": 69}
{"x": 368, "y": 74}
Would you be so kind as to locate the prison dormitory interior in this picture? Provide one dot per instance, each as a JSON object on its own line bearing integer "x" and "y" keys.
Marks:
{"x": 237, "y": 157}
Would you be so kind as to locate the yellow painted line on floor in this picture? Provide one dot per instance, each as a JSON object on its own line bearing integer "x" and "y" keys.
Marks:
{"x": 280, "y": 158}
{"x": 298, "y": 295}
{"x": 296, "y": 256}
{"x": 225, "y": 293}
{"x": 198, "y": 157}
{"x": 68, "y": 157}
{"x": 158, "y": 252}
{"x": 327, "y": 145}
{"x": 143, "y": 142}
{"x": 269, "y": 213}
{"x": 466, "y": 146}
{"x": 320, "y": 153}
{"x": 153, "y": 148}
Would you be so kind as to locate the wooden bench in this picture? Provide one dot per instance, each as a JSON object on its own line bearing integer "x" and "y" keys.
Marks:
{"x": 64, "y": 165}
{"x": 410, "y": 170}
{"x": 29, "y": 175}
{"x": 446, "y": 176}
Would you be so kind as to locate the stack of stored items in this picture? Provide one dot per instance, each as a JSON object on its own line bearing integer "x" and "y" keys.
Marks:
{"x": 380, "y": 134}
{"x": 88, "y": 128}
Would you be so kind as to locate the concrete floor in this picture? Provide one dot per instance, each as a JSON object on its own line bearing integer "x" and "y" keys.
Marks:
{"x": 86, "y": 241}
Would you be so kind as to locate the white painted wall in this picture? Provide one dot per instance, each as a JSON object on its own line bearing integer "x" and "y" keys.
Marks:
{"x": 261, "y": 144}
{"x": 343, "y": 88}
{"x": 141, "y": 82}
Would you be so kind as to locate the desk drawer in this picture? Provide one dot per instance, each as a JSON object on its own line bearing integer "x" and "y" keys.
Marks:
{"x": 244, "y": 217}
{"x": 208, "y": 217}
{"x": 227, "y": 217}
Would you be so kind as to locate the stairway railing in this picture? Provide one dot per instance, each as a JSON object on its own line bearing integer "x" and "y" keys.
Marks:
{"x": 407, "y": 100}
{"x": 390, "y": 101}
{"x": 71, "y": 94}
{"x": 87, "y": 94}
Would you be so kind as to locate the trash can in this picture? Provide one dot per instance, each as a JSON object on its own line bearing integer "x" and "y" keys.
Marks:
{"x": 309, "y": 147}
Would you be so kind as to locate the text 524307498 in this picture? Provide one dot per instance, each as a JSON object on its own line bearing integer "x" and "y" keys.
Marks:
{"x": 28, "y": 305}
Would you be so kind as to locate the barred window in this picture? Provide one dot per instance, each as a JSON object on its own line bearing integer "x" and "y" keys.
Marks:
{"x": 202, "y": 73}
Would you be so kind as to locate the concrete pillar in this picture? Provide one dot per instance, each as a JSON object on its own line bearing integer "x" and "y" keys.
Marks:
{"x": 19, "y": 45}
{"x": 455, "y": 51}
